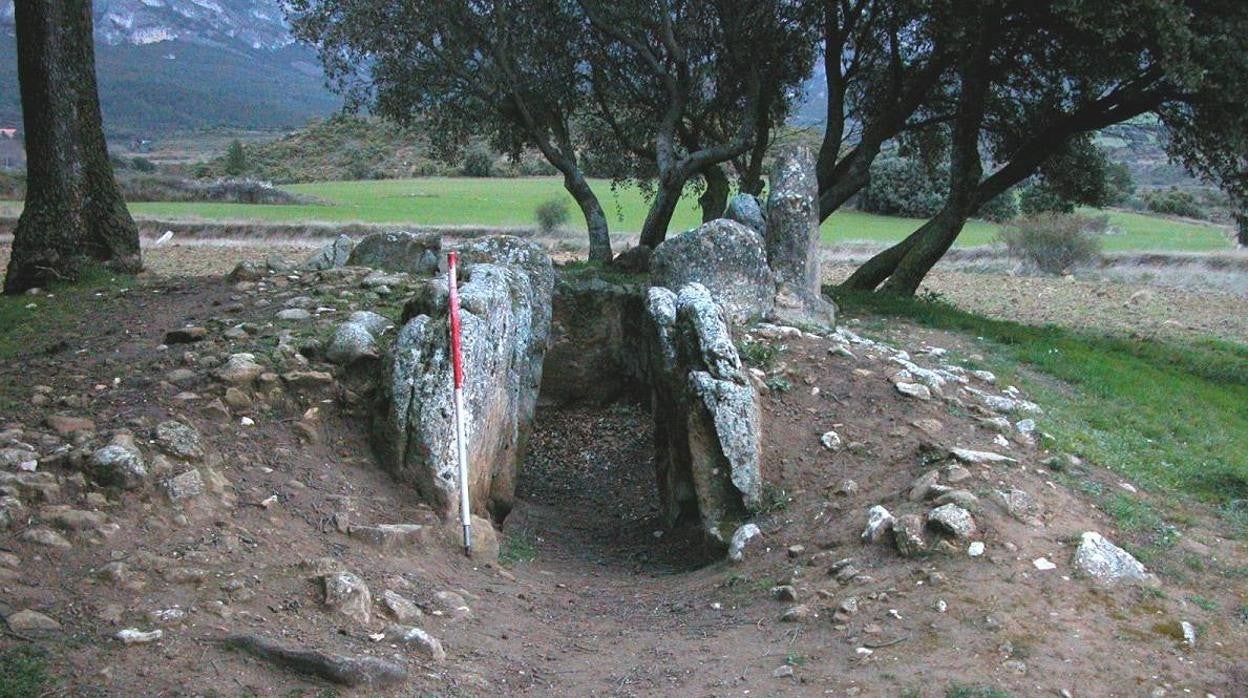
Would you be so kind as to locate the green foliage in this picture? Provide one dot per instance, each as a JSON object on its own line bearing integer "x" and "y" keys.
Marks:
{"x": 774, "y": 498}
{"x": 1174, "y": 202}
{"x": 958, "y": 691}
{"x": 759, "y": 354}
{"x": 1204, "y": 603}
{"x": 1171, "y": 416}
{"x": 24, "y": 672}
{"x": 902, "y": 187}
{"x": 478, "y": 162}
{"x": 778, "y": 384}
{"x": 1038, "y": 197}
{"x": 551, "y": 215}
{"x": 235, "y": 159}
{"x": 142, "y": 164}
{"x": 1054, "y": 243}
{"x": 1120, "y": 185}
{"x": 1001, "y": 208}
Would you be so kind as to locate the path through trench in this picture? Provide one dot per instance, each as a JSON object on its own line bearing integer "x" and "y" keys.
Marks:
{"x": 589, "y": 494}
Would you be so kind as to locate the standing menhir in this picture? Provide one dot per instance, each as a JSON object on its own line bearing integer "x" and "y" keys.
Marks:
{"x": 74, "y": 214}
{"x": 792, "y": 239}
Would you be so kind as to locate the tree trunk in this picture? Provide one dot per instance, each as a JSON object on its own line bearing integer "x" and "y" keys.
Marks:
{"x": 112, "y": 236}
{"x": 48, "y": 242}
{"x": 938, "y": 235}
{"x": 595, "y": 219}
{"x": 715, "y": 199}
{"x": 73, "y": 213}
{"x": 1241, "y": 236}
{"x": 654, "y": 230}
{"x": 874, "y": 271}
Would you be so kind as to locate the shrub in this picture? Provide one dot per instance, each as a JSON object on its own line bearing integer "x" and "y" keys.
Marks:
{"x": 478, "y": 162}
{"x": 1174, "y": 202}
{"x": 1001, "y": 208}
{"x": 1040, "y": 198}
{"x": 551, "y": 215}
{"x": 901, "y": 187}
{"x": 235, "y": 159}
{"x": 142, "y": 164}
{"x": 1054, "y": 243}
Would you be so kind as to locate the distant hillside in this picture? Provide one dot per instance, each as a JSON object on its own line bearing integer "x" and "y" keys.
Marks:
{"x": 176, "y": 65}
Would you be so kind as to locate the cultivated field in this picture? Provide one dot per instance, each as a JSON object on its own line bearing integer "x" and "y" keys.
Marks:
{"x": 511, "y": 202}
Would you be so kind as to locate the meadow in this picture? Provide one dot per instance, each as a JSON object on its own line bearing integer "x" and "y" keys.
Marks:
{"x": 511, "y": 203}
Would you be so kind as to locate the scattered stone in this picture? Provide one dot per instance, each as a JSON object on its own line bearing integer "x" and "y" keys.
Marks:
{"x": 879, "y": 523}
{"x": 1043, "y": 564}
{"x": 986, "y": 376}
{"x": 784, "y": 592}
{"x": 783, "y": 671}
{"x": 409, "y": 635}
{"x": 962, "y": 498}
{"x": 68, "y": 519}
{"x": 245, "y": 270}
{"x": 796, "y": 551}
{"x": 1102, "y": 560}
{"x": 186, "y": 335}
{"x": 351, "y": 342}
{"x": 403, "y": 610}
{"x": 922, "y": 487}
{"x": 389, "y": 536}
{"x": 908, "y": 535}
{"x": 294, "y": 314}
{"x": 29, "y": 620}
{"x": 845, "y": 609}
{"x": 118, "y": 465}
{"x": 796, "y": 614}
{"x": 831, "y": 440}
{"x": 45, "y": 536}
{"x": 134, "y": 636}
{"x": 332, "y": 255}
{"x": 952, "y": 519}
{"x": 980, "y": 457}
{"x": 179, "y": 440}
{"x": 940, "y": 605}
{"x": 240, "y": 369}
{"x": 308, "y": 380}
{"x": 1017, "y": 504}
{"x": 954, "y": 473}
{"x": 185, "y": 486}
{"x": 1189, "y": 634}
{"x": 976, "y": 549}
{"x": 847, "y": 488}
{"x": 914, "y": 390}
{"x": 237, "y": 399}
{"x": 452, "y": 604}
{"x": 348, "y": 594}
{"x": 341, "y": 669}
{"x": 742, "y": 536}
{"x": 66, "y": 426}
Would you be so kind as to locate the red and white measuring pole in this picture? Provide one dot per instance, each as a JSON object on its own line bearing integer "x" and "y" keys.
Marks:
{"x": 461, "y": 436}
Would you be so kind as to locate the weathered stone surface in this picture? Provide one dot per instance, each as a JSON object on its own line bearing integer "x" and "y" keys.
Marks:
{"x": 66, "y": 426}
{"x": 597, "y": 342}
{"x": 389, "y": 536}
{"x": 908, "y": 535}
{"x": 505, "y": 316}
{"x": 412, "y": 253}
{"x": 403, "y": 609}
{"x": 792, "y": 239}
{"x": 745, "y": 209}
{"x": 333, "y": 254}
{"x": 725, "y": 257}
{"x": 351, "y": 342}
{"x": 740, "y": 539}
{"x": 952, "y": 519}
{"x": 185, "y": 486}
{"x": 1102, "y": 560}
{"x": 634, "y": 260}
{"x": 46, "y": 536}
{"x": 240, "y": 369}
{"x": 118, "y": 465}
{"x": 341, "y": 669}
{"x": 245, "y": 270}
{"x": 348, "y": 594}
{"x": 879, "y": 523}
{"x": 429, "y": 645}
{"x": 29, "y": 620}
{"x": 706, "y": 412}
{"x": 179, "y": 440}
{"x": 375, "y": 323}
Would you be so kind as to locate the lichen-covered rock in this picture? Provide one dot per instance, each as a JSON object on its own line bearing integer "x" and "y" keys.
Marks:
{"x": 332, "y": 255}
{"x": 725, "y": 257}
{"x": 1102, "y": 560}
{"x": 179, "y": 440}
{"x": 745, "y": 209}
{"x": 375, "y": 323}
{"x": 412, "y": 253}
{"x": 348, "y": 594}
{"x": 740, "y": 539}
{"x": 505, "y": 316}
{"x": 879, "y": 523}
{"x": 118, "y": 465}
{"x": 908, "y": 535}
{"x": 952, "y": 519}
{"x": 706, "y": 413}
{"x": 350, "y": 342}
{"x": 792, "y": 239}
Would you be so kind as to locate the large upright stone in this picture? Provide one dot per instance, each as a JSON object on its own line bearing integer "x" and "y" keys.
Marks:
{"x": 505, "y": 318}
{"x": 725, "y": 257}
{"x": 707, "y": 440}
{"x": 745, "y": 209}
{"x": 793, "y": 239}
{"x": 333, "y": 255}
{"x": 416, "y": 254}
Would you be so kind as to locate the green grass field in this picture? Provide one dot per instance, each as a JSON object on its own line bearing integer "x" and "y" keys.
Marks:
{"x": 511, "y": 202}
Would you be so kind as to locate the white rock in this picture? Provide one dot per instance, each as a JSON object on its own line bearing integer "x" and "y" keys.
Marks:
{"x": 976, "y": 549}
{"x": 914, "y": 390}
{"x": 736, "y": 549}
{"x": 978, "y": 457}
{"x": 1102, "y": 560}
{"x": 831, "y": 440}
{"x": 1043, "y": 564}
{"x": 1189, "y": 634}
{"x": 879, "y": 523}
{"x": 132, "y": 636}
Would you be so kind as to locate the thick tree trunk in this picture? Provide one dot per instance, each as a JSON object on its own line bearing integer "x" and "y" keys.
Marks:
{"x": 654, "y": 230}
{"x": 1241, "y": 221}
{"x": 74, "y": 213}
{"x": 595, "y": 219}
{"x": 715, "y": 199}
{"x": 49, "y": 241}
{"x": 874, "y": 271}
{"x": 112, "y": 236}
{"x": 938, "y": 237}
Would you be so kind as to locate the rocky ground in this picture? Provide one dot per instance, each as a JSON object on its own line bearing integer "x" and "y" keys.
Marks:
{"x": 186, "y": 483}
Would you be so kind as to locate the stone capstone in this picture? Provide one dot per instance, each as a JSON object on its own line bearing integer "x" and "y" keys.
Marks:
{"x": 725, "y": 257}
